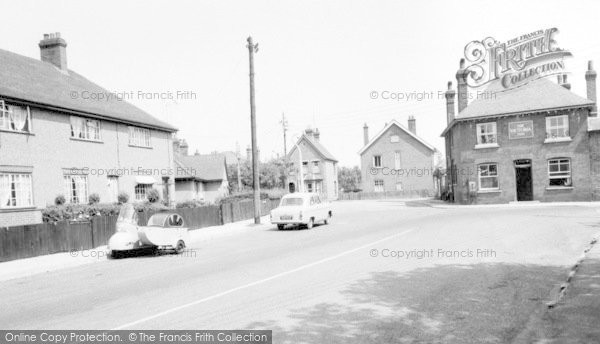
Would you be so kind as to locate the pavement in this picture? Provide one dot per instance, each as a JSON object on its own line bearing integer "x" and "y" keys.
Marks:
{"x": 381, "y": 272}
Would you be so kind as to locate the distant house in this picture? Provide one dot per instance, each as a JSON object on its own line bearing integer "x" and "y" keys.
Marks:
{"x": 61, "y": 134}
{"x": 396, "y": 159}
{"x": 201, "y": 177}
{"x": 319, "y": 167}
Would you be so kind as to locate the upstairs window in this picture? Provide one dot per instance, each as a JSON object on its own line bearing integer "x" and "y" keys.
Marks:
{"x": 139, "y": 137}
{"x": 557, "y": 127}
{"x": 15, "y": 118}
{"x": 85, "y": 129}
{"x": 486, "y": 133}
{"x": 315, "y": 167}
{"x": 377, "y": 161}
{"x": 397, "y": 160}
{"x": 559, "y": 172}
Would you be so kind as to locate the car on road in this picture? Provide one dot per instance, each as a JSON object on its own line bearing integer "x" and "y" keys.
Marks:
{"x": 301, "y": 208}
{"x": 164, "y": 231}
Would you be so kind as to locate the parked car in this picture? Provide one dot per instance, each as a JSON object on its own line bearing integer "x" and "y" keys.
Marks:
{"x": 301, "y": 209}
{"x": 164, "y": 231}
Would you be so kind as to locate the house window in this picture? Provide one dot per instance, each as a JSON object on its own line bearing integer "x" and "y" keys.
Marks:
{"x": 557, "y": 127}
{"x": 399, "y": 186}
{"x": 141, "y": 191}
{"x": 397, "y": 160}
{"x": 378, "y": 185}
{"x": 559, "y": 172}
{"x": 15, "y": 118}
{"x": 377, "y": 160}
{"x": 315, "y": 167}
{"x": 304, "y": 167}
{"x": 85, "y": 129}
{"x": 488, "y": 177}
{"x": 394, "y": 138}
{"x": 15, "y": 190}
{"x": 76, "y": 188}
{"x": 486, "y": 133}
{"x": 139, "y": 137}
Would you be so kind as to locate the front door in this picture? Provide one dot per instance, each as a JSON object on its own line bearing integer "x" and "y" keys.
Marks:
{"x": 523, "y": 180}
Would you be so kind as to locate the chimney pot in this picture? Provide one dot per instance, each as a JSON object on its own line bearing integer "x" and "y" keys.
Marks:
{"x": 365, "y": 134}
{"x": 590, "y": 80}
{"x": 412, "y": 125}
{"x": 450, "y": 102}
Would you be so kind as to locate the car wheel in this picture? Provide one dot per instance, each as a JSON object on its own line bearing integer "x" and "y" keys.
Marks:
{"x": 310, "y": 224}
{"x": 280, "y": 227}
{"x": 180, "y": 246}
{"x": 113, "y": 255}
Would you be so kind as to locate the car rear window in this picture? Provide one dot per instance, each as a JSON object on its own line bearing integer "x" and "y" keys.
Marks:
{"x": 291, "y": 201}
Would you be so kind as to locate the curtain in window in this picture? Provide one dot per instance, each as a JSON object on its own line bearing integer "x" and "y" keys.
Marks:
{"x": 18, "y": 117}
{"x": 4, "y": 189}
{"x": 23, "y": 190}
{"x": 76, "y": 126}
{"x": 81, "y": 189}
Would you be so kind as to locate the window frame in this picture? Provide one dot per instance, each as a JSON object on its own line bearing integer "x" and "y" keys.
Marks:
{"x": 394, "y": 138}
{"x": 565, "y": 128}
{"x": 375, "y": 157}
{"x": 140, "y": 137}
{"x": 85, "y": 133}
{"x": 7, "y": 123}
{"x": 378, "y": 183}
{"x": 480, "y": 176}
{"x": 136, "y": 194}
{"x": 493, "y": 133}
{"x": 16, "y": 190}
{"x": 557, "y": 175}
{"x": 69, "y": 191}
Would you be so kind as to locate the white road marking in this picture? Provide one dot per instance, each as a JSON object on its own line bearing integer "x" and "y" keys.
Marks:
{"x": 303, "y": 267}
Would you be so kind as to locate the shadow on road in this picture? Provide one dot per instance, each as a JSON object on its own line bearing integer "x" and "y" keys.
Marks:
{"x": 482, "y": 303}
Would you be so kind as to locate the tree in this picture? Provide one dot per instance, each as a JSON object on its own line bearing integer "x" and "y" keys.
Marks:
{"x": 349, "y": 178}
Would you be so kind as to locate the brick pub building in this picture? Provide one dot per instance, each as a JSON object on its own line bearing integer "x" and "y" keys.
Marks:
{"x": 536, "y": 142}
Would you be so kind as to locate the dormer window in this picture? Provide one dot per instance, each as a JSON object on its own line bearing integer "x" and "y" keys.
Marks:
{"x": 15, "y": 118}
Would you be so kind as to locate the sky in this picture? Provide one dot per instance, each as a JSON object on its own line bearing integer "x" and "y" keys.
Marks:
{"x": 318, "y": 62}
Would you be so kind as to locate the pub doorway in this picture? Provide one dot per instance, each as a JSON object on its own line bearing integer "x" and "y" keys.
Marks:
{"x": 523, "y": 180}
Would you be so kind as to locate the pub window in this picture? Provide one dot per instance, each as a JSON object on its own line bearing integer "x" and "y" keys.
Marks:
{"x": 15, "y": 118}
{"x": 15, "y": 190}
{"x": 559, "y": 172}
{"x": 557, "y": 127}
{"x": 76, "y": 188}
{"x": 85, "y": 129}
{"x": 486, "y": 133}
{"x": 377, "y": 160}
{"x": 488, "y": 177}
{"x": 378, "y": 185}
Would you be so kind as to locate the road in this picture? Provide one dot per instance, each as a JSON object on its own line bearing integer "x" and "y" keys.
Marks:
{"x": 382, "y": 272}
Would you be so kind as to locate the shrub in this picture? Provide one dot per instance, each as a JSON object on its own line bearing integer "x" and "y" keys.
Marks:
{"x": 153, "y": 196}
{"x": 147, "y": 206}
{"x": 190, "y": 204}
{"x": 240, "y": 197}
{"x": 94, "y": 199}
{"x": 123, "y": 197}
{"x": 60, "y": 200}
{"x": 78, "y": 211}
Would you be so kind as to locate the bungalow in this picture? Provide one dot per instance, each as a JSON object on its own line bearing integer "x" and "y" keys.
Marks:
{"x": 58, "y": 138}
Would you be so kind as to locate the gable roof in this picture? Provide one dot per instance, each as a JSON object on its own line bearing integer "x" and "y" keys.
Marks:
{"x": 202, "y": 167}
{"x": 535, "y": 96}
{"x": 41, "y": 83}
{"x": 317, "y": 146}
{"x": 386, "y": 128}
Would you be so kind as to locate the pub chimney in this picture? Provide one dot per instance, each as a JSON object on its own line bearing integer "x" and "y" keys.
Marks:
{"x": 53, "y": 49}
{"x": 450, "y": 93}
{"x": 461, "y": 86}
{"x": 412, "y": 125}
{"x": 590, "y": 80}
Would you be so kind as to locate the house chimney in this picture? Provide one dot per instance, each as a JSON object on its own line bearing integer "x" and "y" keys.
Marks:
{"x": 461, "y": 86}
{"x": 317, "y": 134}
{"x": 309, "y": 132}
{"x": 183, "y": 147}
{"x": 450, "y": 93}
{"x": 412, "y": 125}
{"x": 590, "y": 80}
{"x": 562, "y": 80}
{"x": 365, "y": 134}
{"x": 53, "y": 49}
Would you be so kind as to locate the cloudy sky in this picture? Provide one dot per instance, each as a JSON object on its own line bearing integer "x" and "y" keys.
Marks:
{"x": 318, "y": 61}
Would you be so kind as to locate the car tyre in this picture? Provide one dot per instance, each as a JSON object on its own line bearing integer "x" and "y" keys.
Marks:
{"x": 280, "y": 227}
{"x": 180, "y": 246}
{"x": 113, "y": 255}
{"x": 310, "y": 223}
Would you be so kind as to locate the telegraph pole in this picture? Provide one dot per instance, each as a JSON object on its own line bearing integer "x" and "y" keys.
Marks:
{"x": 239, "y": 176}
{"x": 284, "y": 125}
{"x": 252, "y": 48}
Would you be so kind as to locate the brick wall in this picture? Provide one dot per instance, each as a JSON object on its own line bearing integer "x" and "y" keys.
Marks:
{"x": 20, "y": 218}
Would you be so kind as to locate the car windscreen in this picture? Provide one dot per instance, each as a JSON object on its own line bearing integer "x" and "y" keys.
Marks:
{"x": 291, "y": 201}
{"x": 157, "y": 220}
{"x": 127, "y": 214}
